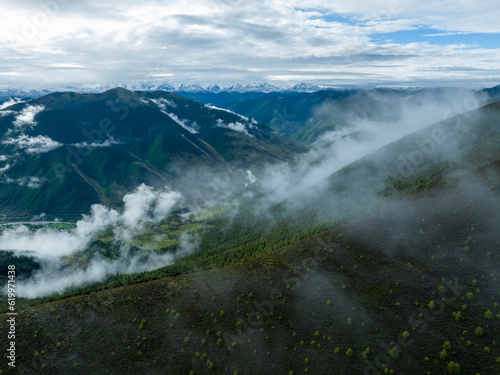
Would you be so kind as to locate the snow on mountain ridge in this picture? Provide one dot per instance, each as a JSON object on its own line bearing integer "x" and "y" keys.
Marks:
{"x": 160, "y": 85}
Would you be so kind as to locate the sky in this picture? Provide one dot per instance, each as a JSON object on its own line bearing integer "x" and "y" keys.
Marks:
{"x": 409, "y": 43}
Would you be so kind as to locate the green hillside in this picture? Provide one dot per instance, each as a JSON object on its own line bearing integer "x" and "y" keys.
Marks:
{"x": 306, "y": 116}
{"x": 391, "y": 268}
{"x": 77, "y": 149}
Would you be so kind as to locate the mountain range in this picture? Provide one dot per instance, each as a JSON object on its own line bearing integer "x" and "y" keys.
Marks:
{"x": 62, "y": 152}
{"x": 388, "y": 265}
{"x": 191, "y": 87}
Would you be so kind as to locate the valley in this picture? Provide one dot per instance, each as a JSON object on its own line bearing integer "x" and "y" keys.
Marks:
{"x": 295, "y": 259}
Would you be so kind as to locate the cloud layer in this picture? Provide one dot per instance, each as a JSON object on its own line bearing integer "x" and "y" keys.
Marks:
{"x": 330, "y": 42}
{"x": 141, "y": 207}
{"x": 33, "y": 145}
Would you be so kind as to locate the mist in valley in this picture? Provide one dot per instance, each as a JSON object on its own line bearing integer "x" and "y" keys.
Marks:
{"x": 305, "y": 183}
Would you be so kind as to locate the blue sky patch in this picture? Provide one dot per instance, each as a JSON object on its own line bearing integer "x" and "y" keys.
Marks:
{"x": 440, "y": 37}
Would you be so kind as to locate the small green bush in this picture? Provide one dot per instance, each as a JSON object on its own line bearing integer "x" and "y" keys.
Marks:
{"x": 479, "y": 331}
{"x": 453, "y": 368}
{"x": 143, "y": 323}
{"x": 457, "y": 315}
{"x": 443, "y": 354}
{"x": 394, "y": 352}
{"x": 210, "y": 365}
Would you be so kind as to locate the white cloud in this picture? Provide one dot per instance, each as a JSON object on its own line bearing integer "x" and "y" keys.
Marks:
{"x": 338, "y": 149}
{"x": 190, "y": 126}
{"x": 245, "y": 41}
{"x": 27, "y": 116}
{"x": 28, "y": 181}
{"x": 236, "y": 126}
{"x": 447, "y": 34}
{"x": 251, "y": 178}
{"x": 165, "y": 202}
{"x": 8, "y": 103}
{"x": 5, "y": 113}
{"x": 161, "y": 75}
{"x": 136, "y": 212}
{"x": 144, "y": 205}
{"x": 57, "y": 276}
{"x": 3, "y": 157}
{"x": 33, "y": 145}
{"x": 226, "y": 110}
{"x": 162, "y": 103}
{"x": 107, "y": 143}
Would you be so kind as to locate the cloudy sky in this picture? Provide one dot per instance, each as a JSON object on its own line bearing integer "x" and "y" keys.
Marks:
{"x": 332, "y": 42}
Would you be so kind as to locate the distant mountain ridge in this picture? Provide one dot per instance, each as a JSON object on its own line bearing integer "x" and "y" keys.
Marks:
{"x": 193, "y": 87}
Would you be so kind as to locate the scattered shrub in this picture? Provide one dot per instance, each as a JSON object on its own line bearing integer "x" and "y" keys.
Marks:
{"x": 210, "y": 365}
{"x": 443, "y": 354}
{"x": 394, "y": 352}
{"x": 457, "y": 315}
{"x": 453, "y": 368}
{"x": 143, "y": 323}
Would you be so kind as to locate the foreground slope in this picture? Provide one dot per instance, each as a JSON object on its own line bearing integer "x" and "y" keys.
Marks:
{"x": 397, "y": 291}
